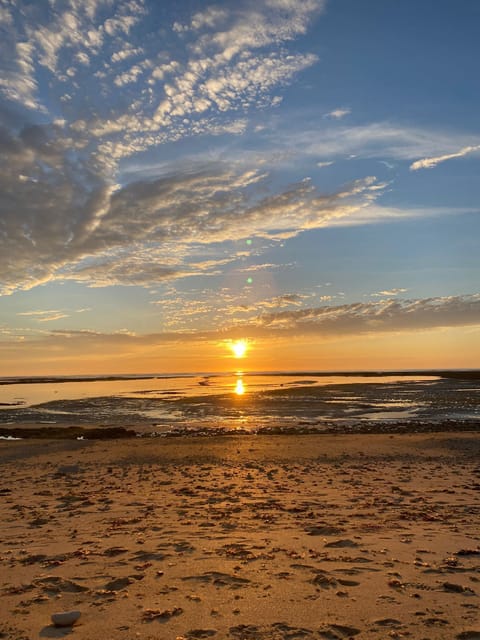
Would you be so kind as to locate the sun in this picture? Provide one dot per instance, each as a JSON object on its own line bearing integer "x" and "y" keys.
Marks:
{"x": 239, "y": 348}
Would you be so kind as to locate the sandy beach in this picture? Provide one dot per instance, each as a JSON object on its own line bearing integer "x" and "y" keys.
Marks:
{"x": 242, "y": 538}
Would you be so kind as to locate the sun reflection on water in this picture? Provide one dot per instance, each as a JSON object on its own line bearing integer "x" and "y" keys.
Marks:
{"x": 239, "y": 387}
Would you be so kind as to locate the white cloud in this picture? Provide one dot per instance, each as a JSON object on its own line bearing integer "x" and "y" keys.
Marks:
{"x": 428, "y": 163}
{"x": 389, "y": 292}
{"x": 379, "y": 140}
{"x": 218, "y": 74}
{"x": 222, "y": 74}
{"x": 338, "y": 113}
{"x": 209, "y": 18}
{"x": 126, "y": 52}
{"x": 57, "y": 38}
{"x": 129, "y": 76}
{"x": 45, "y": 316}
{"x": 5, "y": 16}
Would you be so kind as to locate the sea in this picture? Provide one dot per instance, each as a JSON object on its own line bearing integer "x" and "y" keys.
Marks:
{"x": 157, "y": 405}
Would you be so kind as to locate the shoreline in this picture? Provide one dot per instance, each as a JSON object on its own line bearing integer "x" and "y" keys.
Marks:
{"x": 120, "y": 430}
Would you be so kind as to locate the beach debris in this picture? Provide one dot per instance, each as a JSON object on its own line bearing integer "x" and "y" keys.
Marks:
{"x": 395, "y": 583}
{"x": 65, "y": 618}
{"x": 151, "y": 614}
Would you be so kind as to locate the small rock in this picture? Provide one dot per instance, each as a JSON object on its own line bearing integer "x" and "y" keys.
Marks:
{"x": 65, "y": 618}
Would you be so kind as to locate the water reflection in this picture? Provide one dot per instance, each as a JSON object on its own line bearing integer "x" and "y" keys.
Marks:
{"x": 239, "y": 387}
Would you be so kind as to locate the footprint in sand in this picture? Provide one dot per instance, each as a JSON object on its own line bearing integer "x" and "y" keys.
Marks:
{"x": 57, "y": 584}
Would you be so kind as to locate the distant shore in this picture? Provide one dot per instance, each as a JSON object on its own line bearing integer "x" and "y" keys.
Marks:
{"x": 464, "y": 374}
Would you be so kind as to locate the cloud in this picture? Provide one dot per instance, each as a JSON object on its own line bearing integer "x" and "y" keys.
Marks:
{"x": 325, "y": 322}
{"x": 57, "y": 39}
{"x": 126, "y": 52}
{"x": 238, "y": 306}
{"x": 227, "y": 59}
{"x": 63, "y": 218}
{"x": 338, "y": 113}
{"x": 66, "y": 214}
{"x": 223, "y": 72}
{"x": 372, "y": 317}
{"x": 210, "y": 17}
{"x": 60, "y": 219}
{"x": 261, "y": 267}
{"x": 378, "y": 140}
{"x": 44, "y": 316}
{"x": 129, "y": 76}
{"x": 389, "y": 292}
{"x": 428, "y": 163}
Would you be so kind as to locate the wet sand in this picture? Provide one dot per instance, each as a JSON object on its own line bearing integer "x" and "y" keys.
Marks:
{"x": 242, "y": 538}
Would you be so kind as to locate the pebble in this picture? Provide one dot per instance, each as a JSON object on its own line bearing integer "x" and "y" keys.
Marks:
{"x": 65, "y": 618}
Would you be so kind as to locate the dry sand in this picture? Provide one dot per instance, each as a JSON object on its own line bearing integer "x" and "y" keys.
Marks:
{"x": 329, "y": 537}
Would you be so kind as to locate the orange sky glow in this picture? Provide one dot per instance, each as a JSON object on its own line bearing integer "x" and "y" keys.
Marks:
{"x": 429, "y": 349}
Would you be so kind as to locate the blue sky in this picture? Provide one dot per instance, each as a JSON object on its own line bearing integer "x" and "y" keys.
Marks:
{"x": 180, "y": 174}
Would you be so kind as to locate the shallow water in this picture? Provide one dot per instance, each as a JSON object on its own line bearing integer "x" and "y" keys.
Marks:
{"x": 243, "y": 403}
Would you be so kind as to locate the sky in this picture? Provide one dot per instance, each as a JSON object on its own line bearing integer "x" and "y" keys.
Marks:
{"x": 177, "y": 176}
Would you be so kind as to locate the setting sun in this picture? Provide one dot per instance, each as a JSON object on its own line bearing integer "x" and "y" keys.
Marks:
{"x": 239, "y": 348}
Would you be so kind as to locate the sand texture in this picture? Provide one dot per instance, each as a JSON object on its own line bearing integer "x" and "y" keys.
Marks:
{"x": 242, "y": 538}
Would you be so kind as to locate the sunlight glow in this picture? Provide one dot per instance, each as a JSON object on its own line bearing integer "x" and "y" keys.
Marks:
{"x": 239, "y": 387}
{"x": 239, "y": 348}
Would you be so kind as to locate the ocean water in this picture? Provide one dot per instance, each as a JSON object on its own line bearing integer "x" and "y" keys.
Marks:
{"x": 245, "y": 402}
